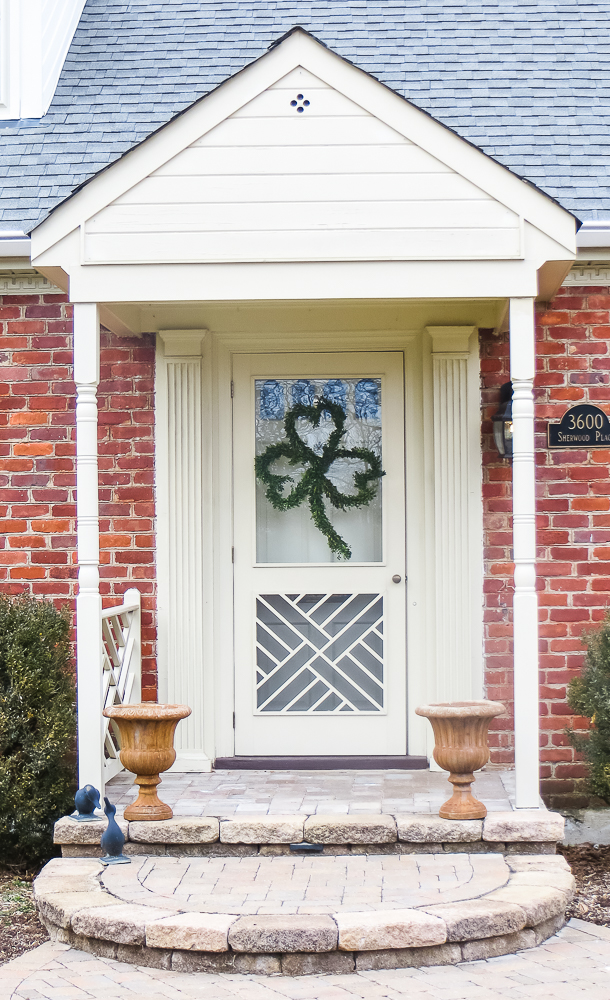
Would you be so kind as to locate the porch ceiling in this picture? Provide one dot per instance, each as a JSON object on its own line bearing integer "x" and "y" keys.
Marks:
{"x": 300, "y": 317}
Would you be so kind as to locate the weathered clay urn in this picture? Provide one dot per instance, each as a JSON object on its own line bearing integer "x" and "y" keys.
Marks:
{"x": 147, "y": 748}
{"x": 460, "y": 747}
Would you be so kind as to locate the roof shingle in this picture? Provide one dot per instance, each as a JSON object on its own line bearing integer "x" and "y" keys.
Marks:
{"x": 527, "y": 81}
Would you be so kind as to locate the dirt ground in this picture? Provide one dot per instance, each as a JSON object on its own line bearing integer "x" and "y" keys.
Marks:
{"x": 591, "y": 868}
{"x": 20, "y": 928}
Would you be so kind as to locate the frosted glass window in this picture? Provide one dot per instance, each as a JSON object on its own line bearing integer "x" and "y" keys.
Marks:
{"x": 291, "y": 536}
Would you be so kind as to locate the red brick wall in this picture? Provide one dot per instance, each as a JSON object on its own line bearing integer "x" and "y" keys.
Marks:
{"x": 573, "y": 526}
{"x": 37, "y": 448}
{"x": 37, "y": 541}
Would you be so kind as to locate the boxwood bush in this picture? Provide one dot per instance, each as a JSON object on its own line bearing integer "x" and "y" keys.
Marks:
{"x": 589, "y": 696}
{"x": 37, "y": 727}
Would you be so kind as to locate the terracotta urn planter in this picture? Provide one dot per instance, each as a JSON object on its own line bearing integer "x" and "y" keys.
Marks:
{"x": 460, "y": 747}
{"x": 147, "y": 748}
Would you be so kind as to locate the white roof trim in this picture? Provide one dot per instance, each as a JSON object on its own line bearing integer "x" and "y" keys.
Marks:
{"x": 14, "y": 244}
{"x": 301, "y": 49}
{"x": 594, "y": 233}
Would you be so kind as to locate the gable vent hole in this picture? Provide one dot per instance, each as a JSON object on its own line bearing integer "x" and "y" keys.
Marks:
{"x": 300, "y": 104}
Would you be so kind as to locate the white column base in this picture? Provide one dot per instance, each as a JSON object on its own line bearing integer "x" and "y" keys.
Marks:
{"x": 89, "y": 690}
{"x": 187, "y": 762}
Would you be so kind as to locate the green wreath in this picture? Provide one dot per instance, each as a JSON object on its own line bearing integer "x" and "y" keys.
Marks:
{"x": 315, "y": 485}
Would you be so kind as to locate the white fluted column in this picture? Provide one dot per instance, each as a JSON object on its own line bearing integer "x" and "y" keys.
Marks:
{"x": 525, "y": 606}
{"x": 88, "y": 602}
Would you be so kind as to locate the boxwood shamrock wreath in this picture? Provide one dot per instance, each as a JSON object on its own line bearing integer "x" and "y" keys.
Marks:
{"x": 315, "y": 485}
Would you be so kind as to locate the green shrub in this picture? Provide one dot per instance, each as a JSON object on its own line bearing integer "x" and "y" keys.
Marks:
{"x": 589, "y": 695}
{"x": 37, "y": 727}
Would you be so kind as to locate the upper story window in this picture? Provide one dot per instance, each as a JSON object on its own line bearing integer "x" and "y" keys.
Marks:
{"x": 35, "y": 36}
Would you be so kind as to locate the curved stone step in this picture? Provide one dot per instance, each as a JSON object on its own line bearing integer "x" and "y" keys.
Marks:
{"x": 299, "y": 915}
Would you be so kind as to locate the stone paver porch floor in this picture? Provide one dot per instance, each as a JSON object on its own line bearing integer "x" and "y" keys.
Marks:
{"x": 226, "y": 793}
{"x": 263, "y": 885}
{"x": 572, "y": 965}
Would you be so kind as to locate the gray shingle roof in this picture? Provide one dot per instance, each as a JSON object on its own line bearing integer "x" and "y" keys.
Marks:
{"x": 526, "y": 81}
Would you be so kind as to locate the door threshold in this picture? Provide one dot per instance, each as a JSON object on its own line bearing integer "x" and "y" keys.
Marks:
{"x": 399, "y": 762}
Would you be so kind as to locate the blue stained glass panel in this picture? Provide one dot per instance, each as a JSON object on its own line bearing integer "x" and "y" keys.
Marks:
{"x": 334, "y": 390}
{"x": 366, "y": 399}
{"x": 303, "y": 392}
{"x": 272, "y": 400}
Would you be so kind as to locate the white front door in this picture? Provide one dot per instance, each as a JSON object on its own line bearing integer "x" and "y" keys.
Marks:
{"x": 319, "y": 554}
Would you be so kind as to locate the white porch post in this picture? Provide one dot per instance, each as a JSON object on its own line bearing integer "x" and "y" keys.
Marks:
{"x": 88, "y": 602}
{"x": 525, "y": 607}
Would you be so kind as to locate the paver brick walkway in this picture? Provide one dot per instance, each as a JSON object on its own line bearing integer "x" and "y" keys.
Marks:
{"x": 235, "y": 793}
{"x": 573, "y": 965}
{"x": 274, "y": 885}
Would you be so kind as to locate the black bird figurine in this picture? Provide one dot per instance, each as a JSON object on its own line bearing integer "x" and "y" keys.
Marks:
{"x": 86, "y": 800}
{"x": 112, "y": 839}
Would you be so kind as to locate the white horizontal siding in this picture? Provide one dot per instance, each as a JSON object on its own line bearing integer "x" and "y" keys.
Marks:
{"x": 191, "y": 189}
{"x": 306, "y": 130}
{"x": 361, "y": 244}
{"x": 332, "y": 183}
{"x": 198, "y": 161}
{"x": 328, "y": 215}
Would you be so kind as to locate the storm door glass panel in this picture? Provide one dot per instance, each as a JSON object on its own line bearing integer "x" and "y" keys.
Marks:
{"x": 290, "y": 536}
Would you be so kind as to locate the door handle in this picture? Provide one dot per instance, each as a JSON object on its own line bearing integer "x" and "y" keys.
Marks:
{"x": 396, "y": 578}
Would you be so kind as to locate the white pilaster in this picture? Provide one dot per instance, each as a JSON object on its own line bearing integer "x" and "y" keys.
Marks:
{"x": 525, "y": 606}
{"x": 180, "y": 518}
{"x": 88, "y": 602}
{"x": 457, "y": 514}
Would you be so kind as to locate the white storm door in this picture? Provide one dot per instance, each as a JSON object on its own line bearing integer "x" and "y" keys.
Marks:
{"x": 320, "y": 638}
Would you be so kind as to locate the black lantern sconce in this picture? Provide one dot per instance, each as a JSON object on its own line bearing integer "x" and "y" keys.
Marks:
{"x": 503, "y": 422}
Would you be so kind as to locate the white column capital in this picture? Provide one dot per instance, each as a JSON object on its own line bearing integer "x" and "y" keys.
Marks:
{"x": 522, "y": 340}
{"x": 450, "y": 339}
{"x": 183, "y": 343}
{"x": 86, "y": 343}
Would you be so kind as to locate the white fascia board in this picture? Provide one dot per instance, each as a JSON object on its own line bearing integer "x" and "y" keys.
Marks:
{"x": 300, "y": 49}
{"x": 311, "y": 280}
{"x": 150, "y": 283}
{"x": 287, "y": 280}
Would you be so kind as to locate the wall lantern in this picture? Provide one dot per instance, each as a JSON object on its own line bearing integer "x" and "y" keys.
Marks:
{"x": 503, "y": 421}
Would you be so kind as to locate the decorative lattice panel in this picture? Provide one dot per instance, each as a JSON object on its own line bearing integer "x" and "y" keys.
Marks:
{"x": 319, "y": 653}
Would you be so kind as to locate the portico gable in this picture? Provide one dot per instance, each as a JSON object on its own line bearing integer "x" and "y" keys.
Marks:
{"x": 253, "y": 174}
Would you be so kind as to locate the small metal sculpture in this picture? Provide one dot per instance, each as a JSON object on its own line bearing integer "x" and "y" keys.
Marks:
{"x": 112, "y": 839}
{"x": 86, "y": 800}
